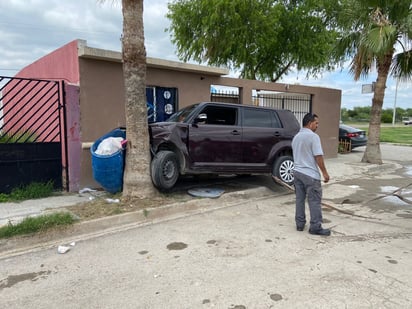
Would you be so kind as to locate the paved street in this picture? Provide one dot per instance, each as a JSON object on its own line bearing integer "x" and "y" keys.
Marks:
{"x": 245, "y": 255}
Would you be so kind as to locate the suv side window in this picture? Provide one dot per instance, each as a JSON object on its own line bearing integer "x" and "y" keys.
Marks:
{"x": 220, "y": 115}
{"x": 260, "y": 118}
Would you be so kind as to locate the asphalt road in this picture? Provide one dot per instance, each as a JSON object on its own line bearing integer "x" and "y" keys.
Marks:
{"x": 245, "y": 255}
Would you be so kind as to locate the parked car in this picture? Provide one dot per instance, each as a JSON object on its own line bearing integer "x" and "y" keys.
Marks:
{"x": 407, "y": 120}
{"x": 222, "y": 138}
{"x": 355, "y": 136}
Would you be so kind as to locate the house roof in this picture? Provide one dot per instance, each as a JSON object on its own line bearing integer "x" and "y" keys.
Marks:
{"x": 85, "y": 51}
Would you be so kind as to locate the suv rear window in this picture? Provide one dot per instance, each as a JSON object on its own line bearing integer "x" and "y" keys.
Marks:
{"x": 260, "y": 118}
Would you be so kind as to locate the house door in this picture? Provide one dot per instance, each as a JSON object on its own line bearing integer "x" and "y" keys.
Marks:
{"x": 161, "y": 103}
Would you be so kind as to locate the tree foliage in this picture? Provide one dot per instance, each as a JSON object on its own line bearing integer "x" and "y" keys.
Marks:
{"x": 360, "y": 114}
{"x": 369, "y": 33}
{"x": 264, "y": 39}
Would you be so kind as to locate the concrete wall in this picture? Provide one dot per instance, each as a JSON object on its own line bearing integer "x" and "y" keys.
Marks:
{"x": 62, "y": 64}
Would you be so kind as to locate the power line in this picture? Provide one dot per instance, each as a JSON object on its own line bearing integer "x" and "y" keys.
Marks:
{"x": 54, "y": 29}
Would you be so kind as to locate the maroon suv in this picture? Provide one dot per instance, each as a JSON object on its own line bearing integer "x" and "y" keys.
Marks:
{"x": 222, "y": 138}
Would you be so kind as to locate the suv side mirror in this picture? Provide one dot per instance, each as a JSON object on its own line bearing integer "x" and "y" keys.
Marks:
{"x": 201, "y": 118}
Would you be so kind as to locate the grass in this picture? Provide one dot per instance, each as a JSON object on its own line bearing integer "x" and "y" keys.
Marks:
{"x": 398, "y": 134}
{"x": 36, "y": 224}
{"x": 19, "y": 137}
{"x": 32, "y": 191}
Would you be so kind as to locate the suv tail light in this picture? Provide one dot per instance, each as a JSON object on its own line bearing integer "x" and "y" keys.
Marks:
{"x": 352, "y": 134}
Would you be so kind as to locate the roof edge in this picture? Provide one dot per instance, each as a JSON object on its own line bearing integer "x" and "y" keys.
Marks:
{"x": 87, "y": 52}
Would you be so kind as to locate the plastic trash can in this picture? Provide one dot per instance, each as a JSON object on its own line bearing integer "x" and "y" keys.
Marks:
{"x": 108, "y": 169}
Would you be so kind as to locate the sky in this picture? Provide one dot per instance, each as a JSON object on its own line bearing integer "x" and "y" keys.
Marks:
{"x": 30, "y": 29}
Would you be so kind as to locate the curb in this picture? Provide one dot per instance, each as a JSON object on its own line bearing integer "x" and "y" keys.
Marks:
{"x": 112, "y": 224}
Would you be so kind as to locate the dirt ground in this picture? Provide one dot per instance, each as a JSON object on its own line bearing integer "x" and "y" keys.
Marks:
{"x": 103, "y": 206}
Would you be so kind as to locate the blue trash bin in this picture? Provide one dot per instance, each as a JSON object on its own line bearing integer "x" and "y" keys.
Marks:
{"x": 108, "y": 169}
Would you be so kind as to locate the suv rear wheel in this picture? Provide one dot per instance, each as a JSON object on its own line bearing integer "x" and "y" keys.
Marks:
{"x": 283, "y": 169}
{"x": 165, "y": 170}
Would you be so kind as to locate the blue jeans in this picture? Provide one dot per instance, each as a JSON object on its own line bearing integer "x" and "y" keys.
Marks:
{"x": 311, "y": 188}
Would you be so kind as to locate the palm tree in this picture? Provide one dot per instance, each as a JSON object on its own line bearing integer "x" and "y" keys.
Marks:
{"x": 137, "y": 180}
{"x": 371, "y": 31}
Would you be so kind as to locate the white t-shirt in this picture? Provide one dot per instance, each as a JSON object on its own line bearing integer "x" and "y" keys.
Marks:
{"x": 306, "y": 145}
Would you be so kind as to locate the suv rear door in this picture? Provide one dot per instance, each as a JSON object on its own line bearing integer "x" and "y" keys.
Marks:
{"x": 262, "y": 129}
{"x": 216, "y": 144}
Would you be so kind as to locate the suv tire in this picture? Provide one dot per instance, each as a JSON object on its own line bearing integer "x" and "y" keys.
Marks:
{"x": 283, "y": 169}
{"x": 165, "y": 170}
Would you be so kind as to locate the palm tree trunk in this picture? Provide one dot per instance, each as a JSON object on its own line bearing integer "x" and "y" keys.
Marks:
{"x": 137, "y": 180}
{"x": 372, "y": 152}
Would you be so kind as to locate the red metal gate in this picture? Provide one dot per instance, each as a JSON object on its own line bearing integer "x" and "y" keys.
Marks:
{"x": 32, "y": 144}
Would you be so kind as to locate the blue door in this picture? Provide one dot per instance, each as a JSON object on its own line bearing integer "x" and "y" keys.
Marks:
{"x": 161, "y": 103}
{"x": 166, "y": 101}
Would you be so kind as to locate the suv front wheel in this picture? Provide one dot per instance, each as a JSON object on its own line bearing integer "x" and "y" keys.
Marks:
{"x": 283, "y": 169}
{"x": 165, "y": 170}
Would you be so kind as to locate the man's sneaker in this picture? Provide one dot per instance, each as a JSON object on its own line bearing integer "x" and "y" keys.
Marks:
{"x": 300, "y": 228}
{"x": 321, "y": 231}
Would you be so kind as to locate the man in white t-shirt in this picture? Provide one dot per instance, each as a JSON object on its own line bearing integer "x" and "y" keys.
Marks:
{"x": 308, "y": 159}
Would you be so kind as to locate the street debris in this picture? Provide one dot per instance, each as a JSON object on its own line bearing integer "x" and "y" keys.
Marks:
{"x": 62, "y": 249}
{"x": 86, "y": 190}
{"x": 206, "y": 192}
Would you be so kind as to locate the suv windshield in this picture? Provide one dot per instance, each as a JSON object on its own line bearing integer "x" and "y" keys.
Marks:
{"x": 183, "y": 115}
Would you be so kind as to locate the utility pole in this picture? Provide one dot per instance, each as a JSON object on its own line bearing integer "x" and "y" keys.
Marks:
{"x": 394, "y": 103}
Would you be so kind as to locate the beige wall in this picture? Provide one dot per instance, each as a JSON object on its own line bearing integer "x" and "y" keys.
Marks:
{"x": 102, "y": 100}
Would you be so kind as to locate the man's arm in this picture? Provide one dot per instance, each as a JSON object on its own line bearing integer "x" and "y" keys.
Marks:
{"x": 321, "y": 164}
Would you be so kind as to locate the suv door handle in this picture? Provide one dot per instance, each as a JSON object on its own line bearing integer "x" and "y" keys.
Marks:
{"x": 235, "y": 132}
{"x": 277, "y": 134}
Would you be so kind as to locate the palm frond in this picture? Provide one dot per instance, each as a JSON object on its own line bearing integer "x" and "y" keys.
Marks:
{"x": 379, "y": 39}
{"x": 362, "y": 63}
{"x": 402, "y": 66}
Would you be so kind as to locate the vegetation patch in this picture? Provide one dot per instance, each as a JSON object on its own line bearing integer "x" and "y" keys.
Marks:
{"x": 18, "y": 137}
{"x": 34, "y": 190}
{"x": 398, "y": 135}
{"x": 362, "y": 114}
{"x": 36, "y": 224}
{"x": 100, "y": 207}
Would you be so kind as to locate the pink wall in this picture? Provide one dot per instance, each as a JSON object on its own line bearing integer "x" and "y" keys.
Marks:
{"x": 63, "y": 63}
{"x": 73, "y": 136}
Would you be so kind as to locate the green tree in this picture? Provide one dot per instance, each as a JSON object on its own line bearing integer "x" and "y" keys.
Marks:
{"x": 387, "y": 116}
{"x": 264, "y": 39}
{"x": 370, "y": 31}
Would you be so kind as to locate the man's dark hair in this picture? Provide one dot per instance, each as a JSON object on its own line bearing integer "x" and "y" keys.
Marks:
{"x": 309, "y": 117}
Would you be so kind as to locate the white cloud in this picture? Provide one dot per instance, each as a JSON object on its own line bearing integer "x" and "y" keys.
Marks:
{"x": 29, "y": 29}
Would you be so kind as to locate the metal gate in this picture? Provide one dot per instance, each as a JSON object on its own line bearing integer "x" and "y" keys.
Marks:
{"x": 299, "y": 104}
{"x": 32, "y": 122}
